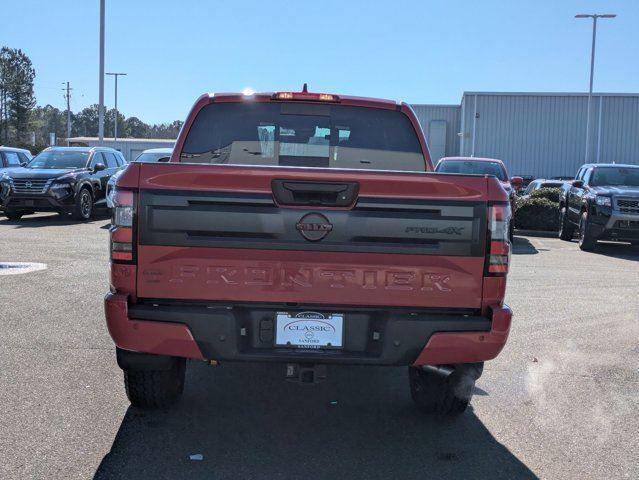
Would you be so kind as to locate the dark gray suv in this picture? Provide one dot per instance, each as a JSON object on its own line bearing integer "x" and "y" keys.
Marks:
{"x": 68, "y": 180}
{"x": 601, "y": 203}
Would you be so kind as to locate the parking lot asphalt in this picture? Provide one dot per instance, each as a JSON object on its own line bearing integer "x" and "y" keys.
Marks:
{"x": 561, "y": 401}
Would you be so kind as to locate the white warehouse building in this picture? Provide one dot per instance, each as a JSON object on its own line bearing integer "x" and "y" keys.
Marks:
{"x": 130, "y": 147}
{"x": 536, "y": 134}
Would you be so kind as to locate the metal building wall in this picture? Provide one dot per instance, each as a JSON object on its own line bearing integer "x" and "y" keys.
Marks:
{"x": 447, "y": 113}
{"x": 620, "y": 129}
{"x": 544, "y": 134}
{"x": 130, "y": 147}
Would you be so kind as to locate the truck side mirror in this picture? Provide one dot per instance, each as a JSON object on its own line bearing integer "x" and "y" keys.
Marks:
{"x": 98, "y": 167}
{"x": 577, "y": 183}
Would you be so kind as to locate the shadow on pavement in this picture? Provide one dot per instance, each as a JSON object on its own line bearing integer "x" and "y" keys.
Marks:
{"x": 39, "y": 221}
{"x": 537, "y": 233}
{"x": 247, "y": 422}
{"x": 523, "y": 246}
{"x": 622, "y": 251}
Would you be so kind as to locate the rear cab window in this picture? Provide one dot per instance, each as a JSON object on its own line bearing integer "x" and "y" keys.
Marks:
{"x": 303, "y": 135}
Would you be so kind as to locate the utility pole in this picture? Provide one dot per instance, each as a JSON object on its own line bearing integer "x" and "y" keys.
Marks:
{"x": 592, "y": 73}
{"x": 101, "y": 84}
{"x": 67, "y": 96}
{"x": 115, "y": 126}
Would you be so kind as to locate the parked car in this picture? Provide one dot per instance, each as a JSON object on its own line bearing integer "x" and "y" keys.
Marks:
{"x": 601, "y": 203}
{"x": 541, "y": 183}
{"x": 304, "y": 228}
{"x": 151, "y": 155}
{"x": 13, "y": 157}
{"x": 484, "y": 166}
{"x": 525, "y": 180}
{"x": 60, "y": 179}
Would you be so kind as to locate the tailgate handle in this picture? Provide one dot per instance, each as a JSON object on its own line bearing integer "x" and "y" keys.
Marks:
{"x": 315, "y": 193}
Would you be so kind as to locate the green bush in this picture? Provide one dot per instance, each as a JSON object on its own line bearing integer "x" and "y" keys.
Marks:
{"x": 536, "y": 213}
{"x": 551, "y": 194}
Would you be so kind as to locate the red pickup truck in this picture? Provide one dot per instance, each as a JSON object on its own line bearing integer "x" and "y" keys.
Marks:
{"x": 307, "y": 229}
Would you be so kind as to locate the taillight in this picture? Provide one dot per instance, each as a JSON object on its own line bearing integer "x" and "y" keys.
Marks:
{"x": 122, "y": 226}
{"x": 498, "y": 248}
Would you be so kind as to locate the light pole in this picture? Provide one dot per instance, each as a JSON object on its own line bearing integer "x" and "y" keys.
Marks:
{"x": 115, "y": 126}
{"x": 594, "y": 17}
{"x": 101, "y": 83}
{"x": 67, "y": 97}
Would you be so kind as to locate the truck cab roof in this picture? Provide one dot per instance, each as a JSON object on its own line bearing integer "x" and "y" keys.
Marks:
{"x": 614, "y": 165}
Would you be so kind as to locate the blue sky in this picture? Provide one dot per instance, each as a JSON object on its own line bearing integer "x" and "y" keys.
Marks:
{"x": 427, "y": 51}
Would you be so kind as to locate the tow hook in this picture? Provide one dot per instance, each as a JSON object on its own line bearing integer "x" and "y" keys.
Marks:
{"x": 305, "y": 373}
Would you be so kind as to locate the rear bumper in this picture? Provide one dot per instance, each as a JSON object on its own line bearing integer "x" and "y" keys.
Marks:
{"x": 244, "y": 333}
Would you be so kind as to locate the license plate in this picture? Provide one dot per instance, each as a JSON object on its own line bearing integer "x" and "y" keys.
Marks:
{"x": 309, "y": 330}
{"x": 29, "y": 203}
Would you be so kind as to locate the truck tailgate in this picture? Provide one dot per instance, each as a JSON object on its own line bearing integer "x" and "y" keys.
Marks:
{"x": 222, "y": 233}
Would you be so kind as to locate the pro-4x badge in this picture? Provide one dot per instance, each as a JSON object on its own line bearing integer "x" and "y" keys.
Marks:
{"x": 445, "y": 231}
{"x": 314, "y": 226}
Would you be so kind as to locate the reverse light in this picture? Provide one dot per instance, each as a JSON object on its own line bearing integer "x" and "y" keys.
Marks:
{"x": 121, "y": 230}
{"x": 498, "y": 249}
{"x": 603, "y": 201}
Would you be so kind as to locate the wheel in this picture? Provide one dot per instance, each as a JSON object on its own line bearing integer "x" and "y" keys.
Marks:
{"x": 586, "y": 241}
{"x": 14, "y": 215}
{"x": 155, "y": 388}
{"x": 83, "y": 208}
{"x": 435, "y": 393}
{"x": 566, "y": 230}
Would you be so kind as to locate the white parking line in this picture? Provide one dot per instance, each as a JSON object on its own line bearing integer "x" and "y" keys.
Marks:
{"x": 16, "y": 268}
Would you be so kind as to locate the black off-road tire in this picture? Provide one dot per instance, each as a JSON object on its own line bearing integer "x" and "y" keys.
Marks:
{"x": 155, "y": 388}
{"x": 566, "y": 230}
{"x": 434, "y": 393}
{"x": 586, "y": 242}
{"x": 13, "y": 215}
{"x": 83, "y": 208}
